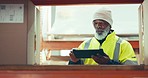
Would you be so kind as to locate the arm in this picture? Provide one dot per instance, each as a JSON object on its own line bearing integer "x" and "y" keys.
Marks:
{"x": 73, "y": 60}
{"x": 127, "y": 54}
{"x": 104, "y": 60}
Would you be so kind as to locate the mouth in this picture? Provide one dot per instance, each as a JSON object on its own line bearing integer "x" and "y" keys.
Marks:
{"x": 100, "y": 32}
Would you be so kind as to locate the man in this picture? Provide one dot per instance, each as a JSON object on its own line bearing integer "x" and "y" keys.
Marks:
{"x": 119, "y": 51}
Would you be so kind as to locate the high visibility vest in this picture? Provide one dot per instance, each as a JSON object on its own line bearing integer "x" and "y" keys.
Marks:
{"x": 116, "y": 51}
{"x": 114, "y": 47}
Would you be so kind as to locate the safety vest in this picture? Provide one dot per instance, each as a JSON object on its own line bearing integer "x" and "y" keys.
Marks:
{"x": 117, "y": 49}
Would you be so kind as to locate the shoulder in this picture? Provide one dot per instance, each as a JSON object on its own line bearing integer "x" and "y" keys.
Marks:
{"x": 125, "y": 44}
{"x": 87, "y": 41}
{"x": 81, "y": 46}
{"x": 124, "y": 41}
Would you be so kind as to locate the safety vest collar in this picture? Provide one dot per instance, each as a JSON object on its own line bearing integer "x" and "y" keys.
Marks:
{"x": 111, "y": 36}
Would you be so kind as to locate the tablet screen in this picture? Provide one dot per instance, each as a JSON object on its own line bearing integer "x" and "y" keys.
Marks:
{"x": 87, "y": 53}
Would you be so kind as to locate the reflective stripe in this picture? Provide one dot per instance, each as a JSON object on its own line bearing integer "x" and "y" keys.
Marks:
{"x": 87, "y": 44}
{"x": 117, "y": 49}
{"x": 86, "y": 47}
{"x": 129, "y": 62}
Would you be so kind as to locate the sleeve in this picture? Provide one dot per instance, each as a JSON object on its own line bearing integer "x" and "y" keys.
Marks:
{"x": 127, "y": 55}
{"x": 112, "y": 62}
{"x": 80, "y": 62}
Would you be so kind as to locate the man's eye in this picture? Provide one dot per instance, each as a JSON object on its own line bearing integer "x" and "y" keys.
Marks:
{"x": 95, "y": 23}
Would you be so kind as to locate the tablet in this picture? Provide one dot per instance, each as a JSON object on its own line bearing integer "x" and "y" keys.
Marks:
{"x": 88, "y": 53}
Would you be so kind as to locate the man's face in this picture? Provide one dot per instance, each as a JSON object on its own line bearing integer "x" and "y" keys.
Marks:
{"x": 100, "y": 26}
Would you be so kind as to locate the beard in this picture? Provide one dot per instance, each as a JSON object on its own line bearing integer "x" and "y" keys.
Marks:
{"x": 103, "y": 34}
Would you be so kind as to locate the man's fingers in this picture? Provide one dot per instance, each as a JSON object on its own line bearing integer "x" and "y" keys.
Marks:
{"x": 73, "y": 58}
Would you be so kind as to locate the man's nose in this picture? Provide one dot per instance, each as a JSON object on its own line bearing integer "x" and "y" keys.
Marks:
{"x": 98, "y": 26}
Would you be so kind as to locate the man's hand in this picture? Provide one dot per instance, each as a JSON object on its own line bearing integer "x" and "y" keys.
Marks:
{"x": 101, "y": 59}
{"x": 72, "y": 57}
